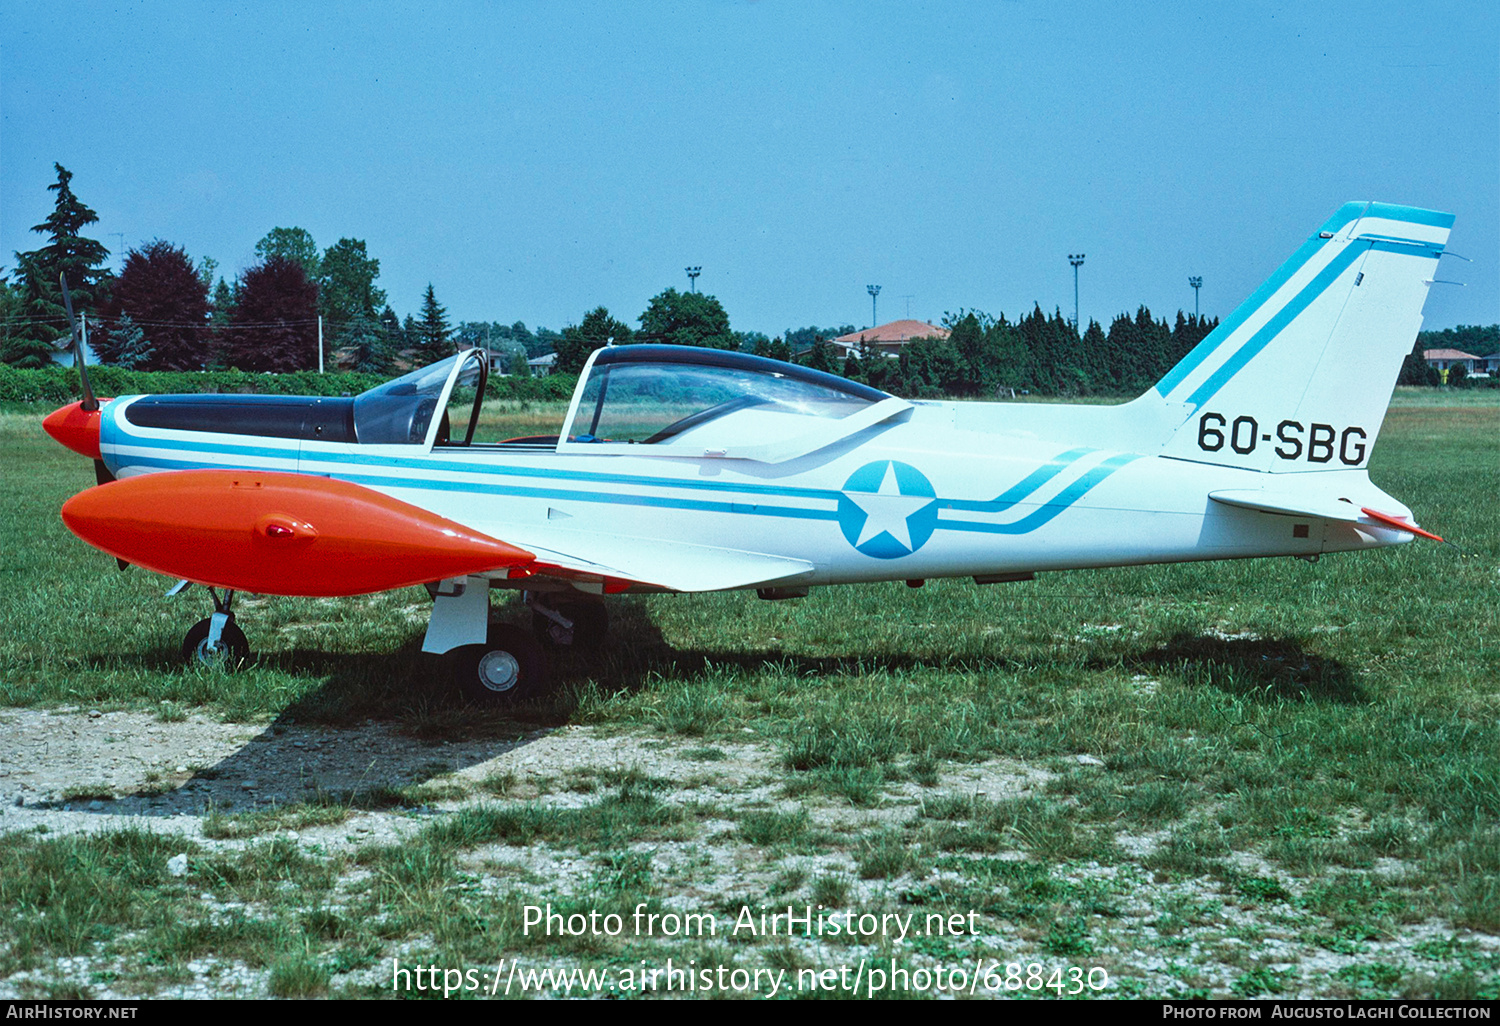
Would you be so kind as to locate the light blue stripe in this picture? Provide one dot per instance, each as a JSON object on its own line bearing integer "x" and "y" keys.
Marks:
{"x": 1021, "y": 489}
{"x": 1042, "y": 515}
{"x": 1242, "y": 313}
{"x": 1411, "y": 215}
{"x": 429, "y": 463}
{"x": 608, "y": 498}
{"x": 535, "y": 493}
{"x": 1049, "y": 511}
{"x": 1262, "y": 338}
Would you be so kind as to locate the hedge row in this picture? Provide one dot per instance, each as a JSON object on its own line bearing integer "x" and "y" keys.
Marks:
{"x": 58, "y": 385}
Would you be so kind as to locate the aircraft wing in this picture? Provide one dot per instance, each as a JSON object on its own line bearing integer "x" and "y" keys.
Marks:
{"x": 294, "y": 534}
{"x": 675, "y": 566}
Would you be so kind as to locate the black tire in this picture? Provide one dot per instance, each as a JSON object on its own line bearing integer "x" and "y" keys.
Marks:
{"x": 590, "y": 626}
{"x": 232, "y": 653}
{"x": 509, "y": 667}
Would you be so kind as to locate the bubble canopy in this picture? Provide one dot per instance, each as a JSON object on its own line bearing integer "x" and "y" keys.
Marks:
{"x": 707, "y": 401}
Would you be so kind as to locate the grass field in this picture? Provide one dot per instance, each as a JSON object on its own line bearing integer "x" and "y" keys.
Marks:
{"x": 1231, "y": 779}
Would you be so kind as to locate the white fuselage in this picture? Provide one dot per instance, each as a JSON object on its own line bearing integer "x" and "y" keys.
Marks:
{"x": 944, "y": 490}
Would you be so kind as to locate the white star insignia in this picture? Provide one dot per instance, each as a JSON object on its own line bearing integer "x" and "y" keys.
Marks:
{"x": 887, "y": 510}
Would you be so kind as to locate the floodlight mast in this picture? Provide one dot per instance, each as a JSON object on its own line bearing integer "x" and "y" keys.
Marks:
{"x": 874, "y": 291}
{"x": 692, "y": 273}
{"x": 1076, "y": 259}
{"x": 1196, "y": 281}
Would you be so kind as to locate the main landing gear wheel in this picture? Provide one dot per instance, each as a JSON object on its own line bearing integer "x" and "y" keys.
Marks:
{"x": 509, "y": 667}
{"x": 590, "y": 626}
{"x": 230, "y": 651}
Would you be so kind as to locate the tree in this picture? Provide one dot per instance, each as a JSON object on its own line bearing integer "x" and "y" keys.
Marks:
{"x": 291, "y": 244}
{"x": 432, "y": 331}
{"x": 1415, "y": 370}
{"x": 578, "y": 341}
{"x": 687, "y": 319}
{"x": 820, "y": 356}
{"x": 159, "y": 288}
{"x": 66, "y": 252}
{"x": 16, "y": 347}
{"x": 275, "y": 325}
{"x": 124, "y": 345}
{"x": 346, "y": 284}
{"x": 363, "y": 345}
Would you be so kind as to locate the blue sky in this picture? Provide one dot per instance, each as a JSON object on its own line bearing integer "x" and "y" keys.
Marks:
{"x": 535, "y": 160}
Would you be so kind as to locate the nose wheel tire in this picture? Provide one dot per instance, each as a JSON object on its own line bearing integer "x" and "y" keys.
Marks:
{"x": 509, "y": 667}
{"x": 590, "y": 626}
{"x": 231, "y": 651}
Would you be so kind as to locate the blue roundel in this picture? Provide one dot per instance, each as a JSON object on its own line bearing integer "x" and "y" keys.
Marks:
{"x": 888, "y": 509}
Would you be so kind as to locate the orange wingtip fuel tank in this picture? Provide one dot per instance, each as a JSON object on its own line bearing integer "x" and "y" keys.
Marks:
{"x": 76, "y": 428}
{"x": 278, "y": 534}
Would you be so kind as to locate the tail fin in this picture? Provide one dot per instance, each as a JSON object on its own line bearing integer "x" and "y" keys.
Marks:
{"x": 1299, "y": 376}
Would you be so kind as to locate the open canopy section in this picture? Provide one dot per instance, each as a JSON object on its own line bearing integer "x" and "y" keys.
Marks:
{"x": 679, "y": 400}
{"x": 401, "y": 411}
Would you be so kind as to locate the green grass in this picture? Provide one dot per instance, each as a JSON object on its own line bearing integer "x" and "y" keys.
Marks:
{"x": 1312, "y": 746}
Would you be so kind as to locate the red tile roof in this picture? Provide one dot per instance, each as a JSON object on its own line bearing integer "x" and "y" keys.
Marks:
{"x": 1448, "y": 354}
{"x": 896, "y": 331}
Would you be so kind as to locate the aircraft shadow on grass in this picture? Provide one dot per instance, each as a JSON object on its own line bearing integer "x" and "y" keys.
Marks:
{"x": 380, "y": 722}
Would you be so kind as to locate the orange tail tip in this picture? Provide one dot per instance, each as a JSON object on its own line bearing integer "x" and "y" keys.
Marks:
{"x": 1397, "y": 522}
{"x": 278, "y": 533}
{"x": 76, "y": 428}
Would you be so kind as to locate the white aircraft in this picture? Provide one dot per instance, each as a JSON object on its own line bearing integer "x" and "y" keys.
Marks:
{"x": 688, "y": 470}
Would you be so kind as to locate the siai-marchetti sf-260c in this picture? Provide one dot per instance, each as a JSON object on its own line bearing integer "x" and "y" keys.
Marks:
{"x": 682, "y": 469}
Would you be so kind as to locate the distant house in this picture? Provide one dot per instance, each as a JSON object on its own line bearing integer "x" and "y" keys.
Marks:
{"x": 541, "y": 366}
{"x": 1444, "y": 359}
{"x": 889, "y": 339}
{"x": 1488, "y": 364}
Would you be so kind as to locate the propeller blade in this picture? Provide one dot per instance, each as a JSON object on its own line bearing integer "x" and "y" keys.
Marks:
{"x": 89, "y": 402}
{"x": 101, "y": 473}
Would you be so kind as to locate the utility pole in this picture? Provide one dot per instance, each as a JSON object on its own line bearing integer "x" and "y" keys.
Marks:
{"x": 1076, "y": 259}
{"x": 692, "y": 273}
{"x": 874, "y": 291}
{"x": 1196, "y": 281}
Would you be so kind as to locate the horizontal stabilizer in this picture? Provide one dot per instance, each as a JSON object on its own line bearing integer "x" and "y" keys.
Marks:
{"x": 1287, "y": 504}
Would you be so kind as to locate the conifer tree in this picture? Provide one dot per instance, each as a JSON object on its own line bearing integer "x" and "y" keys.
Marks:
{"x": 30, "y": 343}
{"x": 132, "y": 350}
{"x": 432, "y": 333}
